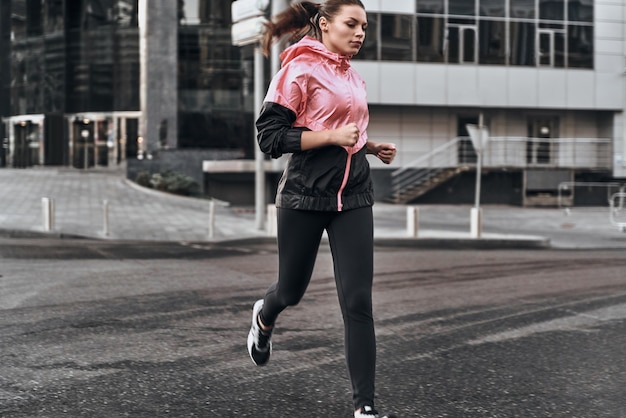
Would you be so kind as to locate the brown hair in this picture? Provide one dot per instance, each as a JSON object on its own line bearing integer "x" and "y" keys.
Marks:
{"x": 301, "y": 19}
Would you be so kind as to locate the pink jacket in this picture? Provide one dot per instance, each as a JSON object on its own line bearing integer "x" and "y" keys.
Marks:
{"x": 321, "y": 88}
{"x": 324, "y": 92}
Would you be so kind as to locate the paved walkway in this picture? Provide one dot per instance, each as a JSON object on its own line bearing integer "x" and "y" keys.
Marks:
{"x": 137, "y": 213}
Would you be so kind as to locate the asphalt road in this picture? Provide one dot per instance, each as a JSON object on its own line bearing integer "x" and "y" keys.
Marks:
{"x": 114, "y": 329}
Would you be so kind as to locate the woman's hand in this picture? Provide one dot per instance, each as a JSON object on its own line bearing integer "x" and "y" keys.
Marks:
{"x": 346, "y": 136}
{"x": 384, "y": 151}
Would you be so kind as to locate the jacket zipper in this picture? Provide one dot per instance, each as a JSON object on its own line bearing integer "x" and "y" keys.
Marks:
{"x": 346, "y": 174}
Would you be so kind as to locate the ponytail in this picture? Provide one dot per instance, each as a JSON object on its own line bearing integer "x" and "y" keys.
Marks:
{"x": 299, "y": 19}
{"x": 303, "y": 19}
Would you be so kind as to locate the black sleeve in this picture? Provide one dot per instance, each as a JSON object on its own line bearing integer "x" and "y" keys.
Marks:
{"x": 277, "y": 136}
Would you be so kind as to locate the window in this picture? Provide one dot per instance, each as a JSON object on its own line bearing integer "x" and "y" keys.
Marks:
{"x": 493, "y": 8}
{"x": 396, "y": 37}
{"x": 580, "y": 46}
{"x": 125, "y": 12}
{"x": 522, "y": 9}
{"x": 462, "y": 7}
{"x": 430, "y": 6}
{"x": 430, "y": 39}
{"x": 580, "y": 11}
{"x": 197, "y": 12}
{"x": 551, "y": 48}
{"x": 551, "y": 9}
{"x": 522, "y": 43}
{"x": 492, "y": 42}
{"x": 462, "y": 44}
{"x": 552, "y": 33}
{"x": 53, "y": 16}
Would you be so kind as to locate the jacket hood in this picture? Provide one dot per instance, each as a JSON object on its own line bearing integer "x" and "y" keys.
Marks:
{"x": 311, "y": 47}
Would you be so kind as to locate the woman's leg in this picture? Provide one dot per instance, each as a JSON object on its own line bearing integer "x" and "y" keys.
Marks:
{"x": 351, "y": 235}
{"x": 299, "y": 235}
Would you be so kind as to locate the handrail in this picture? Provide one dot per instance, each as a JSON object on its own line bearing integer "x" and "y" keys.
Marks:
{"x": 569, "y": 185}
{"x": 435, "y": 151}
{"x": 521, "y": 152}
{"x": 504, "y": 152}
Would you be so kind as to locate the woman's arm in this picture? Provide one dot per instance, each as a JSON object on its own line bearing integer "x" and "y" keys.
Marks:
{"x": 346, "y": 136}
{"x": 384, "y": 151}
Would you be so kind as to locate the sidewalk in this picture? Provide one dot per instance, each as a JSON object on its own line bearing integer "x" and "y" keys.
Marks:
{"x": 137, "y": 213}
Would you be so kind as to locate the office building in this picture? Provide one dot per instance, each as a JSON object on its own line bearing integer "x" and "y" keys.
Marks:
{"x": 544, "y": 78}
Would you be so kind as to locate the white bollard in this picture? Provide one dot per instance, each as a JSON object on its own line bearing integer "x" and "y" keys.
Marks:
{"x": 412, "y": 221}
{"x": 47, "y": 206}
{"x": 105, "y": 218}
{"x": 272, "y": 224}
{"x": 476, "y": 222}
{"x": 211, "y": 219}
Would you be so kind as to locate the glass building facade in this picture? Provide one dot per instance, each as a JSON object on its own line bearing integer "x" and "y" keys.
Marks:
{"x": 71, "y": 78}
{"x": 554, "y": 33}
{"x": 212, "y": 112}
{"x": 540, "y": 70}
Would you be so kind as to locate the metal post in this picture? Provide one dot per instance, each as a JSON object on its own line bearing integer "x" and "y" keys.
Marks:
{"x": 47, "y": 206}
{"x": 476, "y": 221}
{"x": 272, "y": 225}
{"x": 259, "y": 196}
{"x": 479, "y": 163}
{"x": 412, "y": 221}
{"x": 105, "y": 218}
{"x": 211, "y": 219}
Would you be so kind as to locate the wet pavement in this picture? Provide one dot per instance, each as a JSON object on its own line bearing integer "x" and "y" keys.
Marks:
{"x": 95, "y": 328}
{"x": 151, "y": 319}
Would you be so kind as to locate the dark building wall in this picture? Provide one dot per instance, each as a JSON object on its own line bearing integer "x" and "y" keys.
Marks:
{"x": 5, "y": 63}
{"x": 497, "y": 187}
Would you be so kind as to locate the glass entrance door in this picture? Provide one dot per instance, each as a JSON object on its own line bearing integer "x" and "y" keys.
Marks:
{"x": 539, "y": 148}
{"x": 83, "y": 147}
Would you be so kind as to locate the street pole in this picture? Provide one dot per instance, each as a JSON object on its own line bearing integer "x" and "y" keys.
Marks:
{"x": 248, "y": 18}
{"x": 259, "y": 158}
{"x": 479, "y": 163}
{"x": 480, "y": 141}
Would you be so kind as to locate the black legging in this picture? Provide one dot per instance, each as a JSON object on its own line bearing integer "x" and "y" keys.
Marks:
{"x": 350, "y": 236}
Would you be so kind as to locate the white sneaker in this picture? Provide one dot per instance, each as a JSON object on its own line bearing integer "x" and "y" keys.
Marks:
{"x": 369, "y": 412}
{"x": 259, "y": 341}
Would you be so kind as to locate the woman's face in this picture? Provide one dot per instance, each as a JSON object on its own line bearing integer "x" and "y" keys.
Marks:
{"x": 345, "y": 34}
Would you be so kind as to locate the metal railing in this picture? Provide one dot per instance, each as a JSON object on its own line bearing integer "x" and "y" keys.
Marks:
{"x": 506, "y": 152}
{"x": 567, "y": 189}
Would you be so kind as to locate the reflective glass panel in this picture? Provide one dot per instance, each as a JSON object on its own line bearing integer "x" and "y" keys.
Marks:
{"x": 396, "y": 37}
{"x": 430, "y": 39}
{"x": 430, "y": 6}
{"x": 580, "y": 10}
{"x": 493, "y": 8}
{"x": 53, "y": 15}
{"x": 522, "y": 43}
{"x": 197, "y": 12}
{"x": 125, "y": 12}
{"x": 559, "y": 49}
{"x": 580, "y": 46}
{"x": 462, "y": 7}
{"x": 522, "y": 9}
{"x": 552, "y": 9}
{"x": 492, "y": 42}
